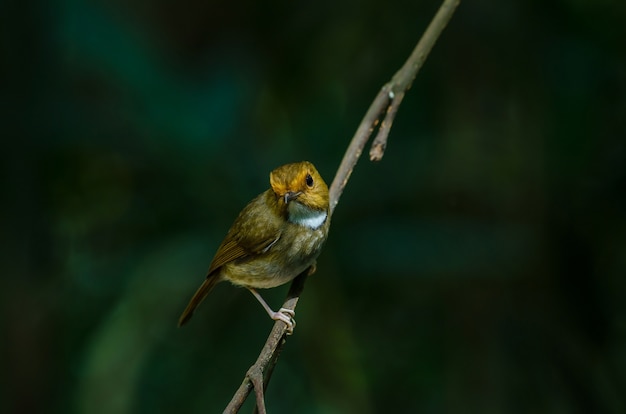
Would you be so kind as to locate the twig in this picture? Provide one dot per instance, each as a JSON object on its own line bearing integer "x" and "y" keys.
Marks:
{"x": 269, "y": 355}
{"x": 387, "y": 101}
{"x": 403, "y": 79}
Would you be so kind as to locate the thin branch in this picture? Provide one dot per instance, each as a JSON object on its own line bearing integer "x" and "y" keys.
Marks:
{"x": 385, "y": 104}
{"x": 387, "y": 101}
{"x": 403, "y": 79}
{"x": 362, "y": 134}
{"x": 269, "y": 355}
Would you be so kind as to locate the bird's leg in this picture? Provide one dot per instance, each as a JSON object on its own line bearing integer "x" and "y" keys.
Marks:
{"x": 283, "y": 314}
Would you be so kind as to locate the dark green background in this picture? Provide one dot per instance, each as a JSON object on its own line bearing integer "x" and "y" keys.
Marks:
{"x": 479, "y": 268}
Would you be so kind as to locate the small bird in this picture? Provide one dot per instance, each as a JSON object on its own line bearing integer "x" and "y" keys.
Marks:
{"x": 277, "y": 236}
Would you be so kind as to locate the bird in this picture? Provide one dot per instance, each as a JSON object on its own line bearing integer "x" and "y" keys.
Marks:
{"x": 277, "y": 236}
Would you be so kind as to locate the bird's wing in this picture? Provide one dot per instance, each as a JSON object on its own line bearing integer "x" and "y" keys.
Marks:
{"x": 247, "y": 237}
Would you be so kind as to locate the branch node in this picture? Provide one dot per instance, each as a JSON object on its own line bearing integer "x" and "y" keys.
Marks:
{"x": 256, "y": 378}
{"x": 377, "y": 150}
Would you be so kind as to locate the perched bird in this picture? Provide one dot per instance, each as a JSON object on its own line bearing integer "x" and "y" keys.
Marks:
{"x": 277, "y": 236}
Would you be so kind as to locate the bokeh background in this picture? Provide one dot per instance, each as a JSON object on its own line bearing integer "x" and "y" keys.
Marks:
{"x": 479, "y": 268}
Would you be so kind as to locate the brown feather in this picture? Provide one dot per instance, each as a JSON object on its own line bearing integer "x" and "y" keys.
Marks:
{"x": 248, "y": 236}
{"x": 228, "y": 251}
{"x": 198, "y": 297}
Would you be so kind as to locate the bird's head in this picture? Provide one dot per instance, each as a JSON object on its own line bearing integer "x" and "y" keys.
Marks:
{"x": 300, "y": 189}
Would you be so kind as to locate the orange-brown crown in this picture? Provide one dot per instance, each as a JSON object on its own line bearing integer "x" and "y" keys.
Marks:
{"x": 303, "y": 178}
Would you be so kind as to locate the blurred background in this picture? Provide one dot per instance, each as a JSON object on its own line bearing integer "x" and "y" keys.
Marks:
{"x": 478, "y": 268}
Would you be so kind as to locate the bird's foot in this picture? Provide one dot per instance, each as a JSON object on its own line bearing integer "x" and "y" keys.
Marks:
{"x": 287, "y": 316}
{"x": 283, "y": 314}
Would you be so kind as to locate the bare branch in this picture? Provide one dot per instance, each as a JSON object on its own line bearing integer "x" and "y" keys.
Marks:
{"x": 386, "y": 102}
{"x": 363, "y": 132}
{"x": 268, "y": 357}
{"x": 403, "y": 79}
{"x": 377, "y": 150}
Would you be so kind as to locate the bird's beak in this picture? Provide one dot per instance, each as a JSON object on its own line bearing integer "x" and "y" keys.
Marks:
{"x": 290, "y": 195}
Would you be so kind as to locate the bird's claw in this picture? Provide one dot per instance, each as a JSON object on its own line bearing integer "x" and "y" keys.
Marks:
{"x": 287, "y": 316}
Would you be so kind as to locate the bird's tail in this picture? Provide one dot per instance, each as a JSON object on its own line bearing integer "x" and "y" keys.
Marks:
{"x": 198, "y": 297}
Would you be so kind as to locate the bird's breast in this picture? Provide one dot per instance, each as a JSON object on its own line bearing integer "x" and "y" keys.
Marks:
{"x": 295, "y": 250}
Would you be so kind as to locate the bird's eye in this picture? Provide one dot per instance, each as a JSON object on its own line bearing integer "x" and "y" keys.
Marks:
{"x": 309, "y": 180}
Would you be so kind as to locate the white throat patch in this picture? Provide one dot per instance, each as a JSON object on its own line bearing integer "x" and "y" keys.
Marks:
{"x": 304, "y": 216}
